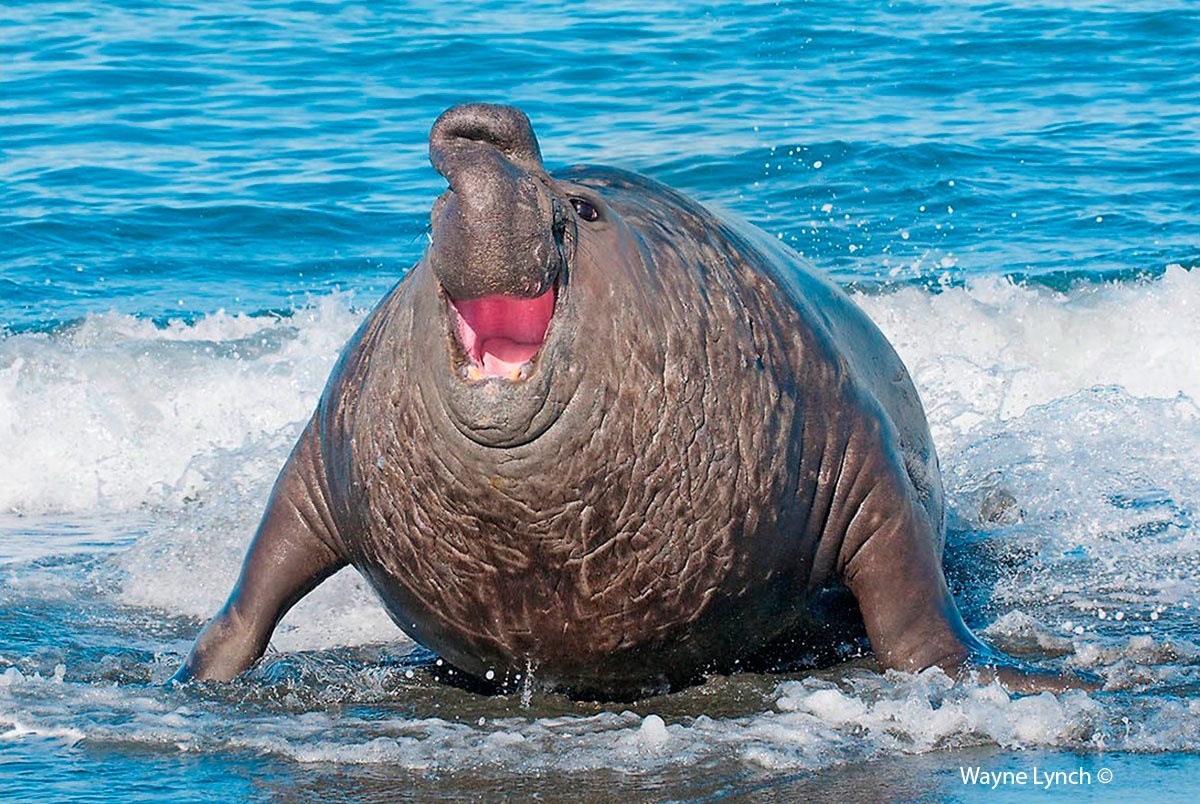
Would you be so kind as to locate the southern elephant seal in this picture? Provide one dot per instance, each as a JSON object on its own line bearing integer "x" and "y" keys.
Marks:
{"x": 600, "y": 433}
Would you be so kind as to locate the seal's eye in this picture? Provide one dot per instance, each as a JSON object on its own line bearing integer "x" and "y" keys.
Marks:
{"x": 584, "y": 209}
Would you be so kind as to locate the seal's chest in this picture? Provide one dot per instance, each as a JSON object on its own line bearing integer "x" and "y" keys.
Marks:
{"x": 541, "y": 557}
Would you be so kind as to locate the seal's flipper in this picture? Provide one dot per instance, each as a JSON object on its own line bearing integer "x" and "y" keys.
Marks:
{"x": 291, "y": 554}
{"x": 890, "y": 564}
{"x": 912, "y": 622}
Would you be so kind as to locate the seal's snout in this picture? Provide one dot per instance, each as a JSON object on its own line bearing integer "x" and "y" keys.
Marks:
{"x": 498, "y": 230}
{"x": 497, "y": 241}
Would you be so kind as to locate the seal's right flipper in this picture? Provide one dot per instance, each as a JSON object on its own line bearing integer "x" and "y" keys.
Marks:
{"x": 891, "y": 564}
{"x": 291, "y": 554}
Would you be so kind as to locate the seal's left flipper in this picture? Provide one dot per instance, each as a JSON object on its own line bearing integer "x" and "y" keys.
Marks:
{"x": 290, "y": 555}
{"x": 890, "y": 563}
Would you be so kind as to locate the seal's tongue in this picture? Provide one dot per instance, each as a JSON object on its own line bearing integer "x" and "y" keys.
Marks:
{"x": 501, "y": 333}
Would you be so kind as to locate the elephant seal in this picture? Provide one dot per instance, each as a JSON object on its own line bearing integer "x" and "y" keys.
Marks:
{"x": 604, "y": 436}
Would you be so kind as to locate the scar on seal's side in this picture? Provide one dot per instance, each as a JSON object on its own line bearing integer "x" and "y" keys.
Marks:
{"x": 600, "y": 432}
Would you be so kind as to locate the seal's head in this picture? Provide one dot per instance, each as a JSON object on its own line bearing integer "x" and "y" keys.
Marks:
{"x": 505, "y": 245}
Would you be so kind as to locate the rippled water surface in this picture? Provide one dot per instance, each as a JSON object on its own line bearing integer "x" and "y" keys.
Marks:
{"x": 199, "y": 202}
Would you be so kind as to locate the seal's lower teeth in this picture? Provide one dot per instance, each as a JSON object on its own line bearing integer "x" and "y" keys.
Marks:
{"x": 475, "y": 373}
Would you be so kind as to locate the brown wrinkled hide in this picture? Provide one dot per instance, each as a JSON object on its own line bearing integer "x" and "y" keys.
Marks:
{"x": 707, "y": 436}
{"x": 670, "y": 519}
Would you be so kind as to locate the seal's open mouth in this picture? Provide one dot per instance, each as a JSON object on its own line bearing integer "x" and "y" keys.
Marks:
{"x": 501, "y": 335}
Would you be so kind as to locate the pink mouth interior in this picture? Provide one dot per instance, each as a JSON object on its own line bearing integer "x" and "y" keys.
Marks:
{"x": 500, "y": 334}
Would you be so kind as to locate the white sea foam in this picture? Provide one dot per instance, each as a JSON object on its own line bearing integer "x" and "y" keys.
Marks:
{"x": 992, "y": 350}
{"x": 186, "y": 425}
{"x": 116, "y": 413}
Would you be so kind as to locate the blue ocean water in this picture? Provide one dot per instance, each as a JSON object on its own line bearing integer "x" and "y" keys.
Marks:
{"x": 198, "y": 202}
